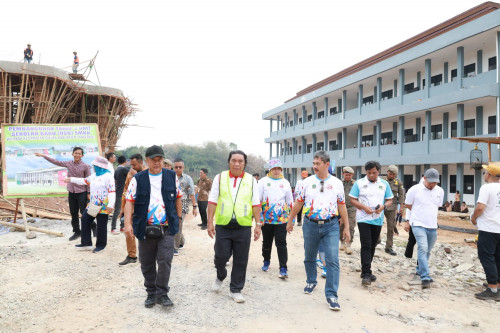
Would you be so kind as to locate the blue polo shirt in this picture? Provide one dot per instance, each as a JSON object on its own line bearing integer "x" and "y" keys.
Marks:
{"x": 371, "y": 194}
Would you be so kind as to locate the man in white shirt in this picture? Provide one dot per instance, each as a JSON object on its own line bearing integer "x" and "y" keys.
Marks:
{"x": 423, "y": 201}
{"x": 322, "y": 197}
{"x": 234, "y": 202}
{"x": 275, "y": 195}
{"x": 487, "y": 217}
{"x": 370, "y": 195}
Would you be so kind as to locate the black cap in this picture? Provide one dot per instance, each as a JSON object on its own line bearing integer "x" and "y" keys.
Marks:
{"x": 154, "y": 151}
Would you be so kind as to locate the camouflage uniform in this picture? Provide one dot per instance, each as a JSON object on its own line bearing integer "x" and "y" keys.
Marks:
{"x": 351, "y": 210}
{"x": 390, "y": 212}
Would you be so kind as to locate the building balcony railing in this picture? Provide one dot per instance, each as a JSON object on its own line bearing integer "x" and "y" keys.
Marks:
{"x": 393, "y": 106}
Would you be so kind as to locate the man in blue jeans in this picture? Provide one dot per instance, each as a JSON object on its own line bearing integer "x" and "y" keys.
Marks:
{"x": 423, "y": 201}
{"x": 321, "y": 196}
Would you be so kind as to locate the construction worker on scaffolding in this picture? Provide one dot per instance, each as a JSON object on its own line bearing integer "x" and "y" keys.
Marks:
{"x": 28, "y": 54}
{"x": 76, "y": 62}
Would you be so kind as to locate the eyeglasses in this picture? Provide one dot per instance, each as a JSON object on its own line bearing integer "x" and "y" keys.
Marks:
{"x": 322, "y": 186}
{"x": 177, "y": 167}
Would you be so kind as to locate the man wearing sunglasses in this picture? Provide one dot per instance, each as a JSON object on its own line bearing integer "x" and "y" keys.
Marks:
{"x": 322, "y": 196}
{"x": 487, "y": 217}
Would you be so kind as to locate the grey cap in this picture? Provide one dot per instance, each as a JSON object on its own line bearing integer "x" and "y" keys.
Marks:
{"x": 432, "y": 175}
{"x": 393, "y": 169}
{"x": 167, "y": 161}
{"x": 348, "y": 170}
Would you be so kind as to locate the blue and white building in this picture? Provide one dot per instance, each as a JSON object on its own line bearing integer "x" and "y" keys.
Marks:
{"x": 403, "y": 106}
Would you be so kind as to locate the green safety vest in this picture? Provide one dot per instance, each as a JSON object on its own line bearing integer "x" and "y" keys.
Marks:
{"x": 242, "y": 207}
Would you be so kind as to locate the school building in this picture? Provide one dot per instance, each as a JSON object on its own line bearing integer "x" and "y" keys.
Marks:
{"x": 403, "y": 106}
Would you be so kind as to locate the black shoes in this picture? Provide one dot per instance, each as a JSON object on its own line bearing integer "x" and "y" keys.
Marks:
{"x": 204, "y": 227}
{"x": 487, "y": 294}
{"x": 370, "y": 278}
{"x": 391, "y": 252}
{"x": 426, "y": 284}
{"x": 150, "y": 301}
{"x": 75, "y": 236}
{"x": 128, "y": 260}
{"x": 163, "y": 300}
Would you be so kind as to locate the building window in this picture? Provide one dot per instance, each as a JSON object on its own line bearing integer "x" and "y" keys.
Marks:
{"x": 492, "y": 63}
{"x": 410, "y": 87}
{"x": 309, "y": 117}
{"x": 453, "y": 74}
{"x": 290, "y": 124}
{"x": 309, "y": 148}
{"x": 453, "y": 183}
{"x": 367, "y": 141}
{"x": 321, "y": 114}
{"x": 436, "y": 80}
{"x": 320, "y": 146}
{"x": 470, "y": 127}
{"x": 387, "y": 94}
{"x": 409, "y": 136}
{"x": 332, "y": 145}
{"x": 300, "y": 120}
{"x": 300, "y": 149}
{"x": 436, "y": 132}
{"x": 386, "y": 138}
{"x": 333, "y": 110}
{"x": 468, "y": 184}
{"x": 492, "y": 124}
{"x": 470, "y": 70}
{"x": 453, "y": 129}
{"x": 368, "y": 100}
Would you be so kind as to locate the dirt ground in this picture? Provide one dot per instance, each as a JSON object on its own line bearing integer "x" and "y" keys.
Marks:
{"x": 46, "y": 285}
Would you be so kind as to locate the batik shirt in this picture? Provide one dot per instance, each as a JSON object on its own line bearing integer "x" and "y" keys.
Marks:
{"x": 187, "y": 188}
{"x": 321, "y": 197}
{"x": 276, "y": 199}
{"x": 102, "y": 190}
{"x": 156, "y": 209}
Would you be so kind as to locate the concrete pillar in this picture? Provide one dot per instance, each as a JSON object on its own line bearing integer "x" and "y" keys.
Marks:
{"x": 303, "y": 147}
{"x": 277, "y": 148}
{"x": 294, "y": 147}
{"x": 360, "y": 98}
{"x": 479, "y": 62}
{"x": 401, "y": 139}
{"x": 446, "y": 124}
{"x": 378, "y": 94}
{"x": 418, "y": 173}
{"x": 378, "y": 136}
{"x": 304, "y": 117}
{"x": 344, "y": 103}
{"x": 401, "y": 85}
{"x": 374, "y": 142}
{"x": 314, "y": 143}
{"x": 360, "y": 134}
{"x": 477, "y": 183}
{"x": 479, "y": 120}
{"x": 315, "y": 112}
{"x": 444, "y": 181}
{"x": 343, "y": 140}
{"x": 418, "y": 129}
{"x": 286, "y": 122}
{"x": 445, "y": 73}
{"x": 427, "y": 135}
{"x": 325, "y": 141}
{"x": 427, "y": 77}
{"x": 401, "y": 174}
{"x": 460, "y": 65}
{"x": 460, "y": 180}
{"x": 327, "y": 111}
{"x": 394, "y": 132}
{"x": 270, "y": 127}
{"x": 419, "y": 80}
{"x": 460, "y": 123}
{"x": 395, "y": 91}
{"x": 339, "y": 141}
{"x": 295, "y": 116}
{"x": 270, "y": 150}
{"x": 278, "y": 126}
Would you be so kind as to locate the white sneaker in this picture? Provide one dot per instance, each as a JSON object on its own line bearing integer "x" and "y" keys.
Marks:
{"x": 237, "y": 297}
{"x": 217, "y": 285}
{"x": 115, "y": 232}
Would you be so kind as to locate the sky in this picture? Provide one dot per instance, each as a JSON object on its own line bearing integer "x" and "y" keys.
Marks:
{"x": 202, "y": 70}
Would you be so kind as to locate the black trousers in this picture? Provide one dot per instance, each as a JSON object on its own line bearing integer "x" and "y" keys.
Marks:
{"x": 368, "y": 235}
{"x": 235, "y": 242}
{"x": 299, "y": 215}
{"x": 410, "y": 245}
{"x": 77, "y": 203}
{"x": 278, "y": 232}
{"x": 102, "y": 227}
{"x": 488, "y": 251}
{"x": 117, "y": 210}
{"x": 202, "y": 208}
